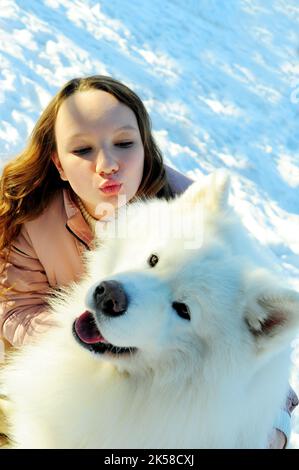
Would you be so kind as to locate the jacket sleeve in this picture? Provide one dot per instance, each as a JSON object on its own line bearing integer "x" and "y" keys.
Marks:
{"x": 283, "y": 419}
{"x": 177, "y": 181}
{"x": 291, "y": 401}
{"x": 23, "y": 310}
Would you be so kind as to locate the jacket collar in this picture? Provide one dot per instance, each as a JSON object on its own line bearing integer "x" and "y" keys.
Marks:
{"x": 75, "y": 220}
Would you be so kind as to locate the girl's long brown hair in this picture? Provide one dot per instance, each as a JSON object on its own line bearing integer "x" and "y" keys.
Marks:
{"x": 29, "y": 181}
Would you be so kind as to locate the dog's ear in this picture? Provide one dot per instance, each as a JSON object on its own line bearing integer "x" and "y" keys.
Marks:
{"x": 212, "y": 192}
{"x": 272, "y": 314}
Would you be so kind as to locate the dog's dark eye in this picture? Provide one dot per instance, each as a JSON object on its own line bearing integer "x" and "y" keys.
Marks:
{"x": 182, "y": 310}
{"x": 153, "y": 260}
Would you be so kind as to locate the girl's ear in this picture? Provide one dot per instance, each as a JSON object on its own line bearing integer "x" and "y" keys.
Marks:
{"x": 56, "y": 161}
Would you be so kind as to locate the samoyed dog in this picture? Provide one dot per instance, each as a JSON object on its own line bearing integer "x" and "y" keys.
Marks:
{"x": 178, "y": 337}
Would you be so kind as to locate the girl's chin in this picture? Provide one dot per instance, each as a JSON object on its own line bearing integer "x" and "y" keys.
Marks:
{"x": 107, "y": 206}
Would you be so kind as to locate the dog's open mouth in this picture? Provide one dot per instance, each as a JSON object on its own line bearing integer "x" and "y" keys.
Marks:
{"x": 89, "y": 336}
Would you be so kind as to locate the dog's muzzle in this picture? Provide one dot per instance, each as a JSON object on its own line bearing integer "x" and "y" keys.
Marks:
{"x": 110, "y": 300}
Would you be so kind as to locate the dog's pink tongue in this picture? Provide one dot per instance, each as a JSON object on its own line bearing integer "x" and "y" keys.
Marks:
{"x": 86, "y": 329}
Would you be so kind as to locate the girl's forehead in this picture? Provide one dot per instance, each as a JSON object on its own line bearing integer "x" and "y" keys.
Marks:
{"x": 93, "y": 109}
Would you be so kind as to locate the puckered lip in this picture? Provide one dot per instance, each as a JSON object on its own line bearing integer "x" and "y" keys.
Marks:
{"x": 110, "y": 184}
{"x": 87, "y": 334}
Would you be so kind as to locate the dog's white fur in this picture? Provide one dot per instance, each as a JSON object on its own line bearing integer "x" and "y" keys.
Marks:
{"x": 216, "y": 381}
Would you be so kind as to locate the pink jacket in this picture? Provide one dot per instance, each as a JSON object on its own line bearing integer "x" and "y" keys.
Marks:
{"x": 45, "y": 255}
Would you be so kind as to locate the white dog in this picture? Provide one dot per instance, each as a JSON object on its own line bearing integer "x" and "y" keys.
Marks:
{"x": 178, "y": 337}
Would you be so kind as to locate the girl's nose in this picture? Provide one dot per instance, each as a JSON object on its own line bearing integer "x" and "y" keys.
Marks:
{"x": 106, "y": 165}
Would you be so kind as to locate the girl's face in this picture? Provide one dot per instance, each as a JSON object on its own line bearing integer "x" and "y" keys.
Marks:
{"x": 99, "y": 144}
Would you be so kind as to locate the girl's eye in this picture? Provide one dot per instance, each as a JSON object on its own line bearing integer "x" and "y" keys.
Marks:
{"x": 82, "y": 151}
{"x": 124, "y": 145}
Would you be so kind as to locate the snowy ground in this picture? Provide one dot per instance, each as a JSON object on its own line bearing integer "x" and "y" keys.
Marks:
{"x": 220, "y": 80}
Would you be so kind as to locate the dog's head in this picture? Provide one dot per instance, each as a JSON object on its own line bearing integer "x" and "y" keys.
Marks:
{"x": 185, "y": 287}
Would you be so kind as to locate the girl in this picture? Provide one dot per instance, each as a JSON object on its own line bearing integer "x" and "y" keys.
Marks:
{"x": 92, "y": 147}
{"x": 90, "y": 152}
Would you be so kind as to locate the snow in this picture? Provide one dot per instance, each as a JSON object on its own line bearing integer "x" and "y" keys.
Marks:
{"x": 220, "y": 80}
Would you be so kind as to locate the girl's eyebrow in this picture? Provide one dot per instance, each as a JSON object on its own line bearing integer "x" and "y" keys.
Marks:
{"x": 126, "y": 128}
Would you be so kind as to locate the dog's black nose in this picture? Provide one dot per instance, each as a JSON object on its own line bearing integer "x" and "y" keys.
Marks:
{"x": 111, "y": 298}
